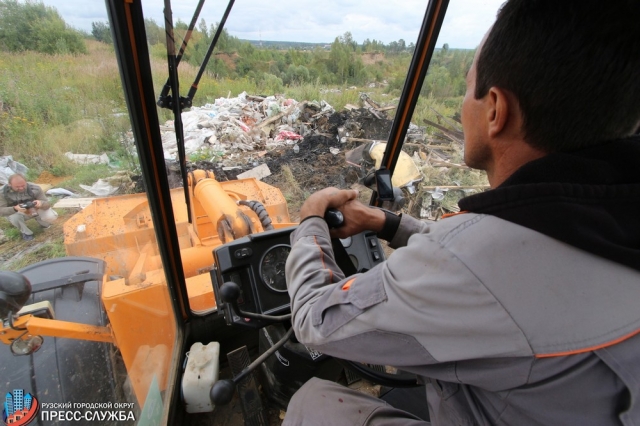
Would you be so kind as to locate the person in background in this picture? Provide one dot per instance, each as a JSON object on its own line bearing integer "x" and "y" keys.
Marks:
{"x": 21, "y": 201}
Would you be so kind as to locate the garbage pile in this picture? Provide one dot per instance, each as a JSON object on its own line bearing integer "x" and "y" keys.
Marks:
{"x": 256, "y": 136}
{"x": 230, "y": 127}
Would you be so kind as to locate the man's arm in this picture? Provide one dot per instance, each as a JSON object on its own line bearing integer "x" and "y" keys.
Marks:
{"x": 421, "y": 306}
{"x": 4, "y": 209}
{"x": 42, "y": 202}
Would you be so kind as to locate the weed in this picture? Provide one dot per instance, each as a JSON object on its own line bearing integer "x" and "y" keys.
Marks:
{"x": 87, "y": 175}
{"x": 12, "y": 233}
{"x": 49, "y": 250}
{"x": 206, "y": 154}
{"x": 293, "y": 193}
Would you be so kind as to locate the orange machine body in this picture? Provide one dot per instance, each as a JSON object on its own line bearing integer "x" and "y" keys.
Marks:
{"x": 120, "y": 231}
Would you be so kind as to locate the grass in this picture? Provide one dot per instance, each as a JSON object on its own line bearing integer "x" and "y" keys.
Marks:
{"x": 54, "y": 104}
{"x": 49, "y": 250}
{"x": 86, "y": 174}
{"x": 293, "y": 193}
{"x": 15, "y": 253}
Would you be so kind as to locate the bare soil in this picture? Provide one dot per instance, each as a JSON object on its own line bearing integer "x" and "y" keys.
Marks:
{"x": 46, "y": 177}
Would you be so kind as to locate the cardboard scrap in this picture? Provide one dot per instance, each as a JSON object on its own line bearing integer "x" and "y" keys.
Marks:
{"x": 259, "y": 172}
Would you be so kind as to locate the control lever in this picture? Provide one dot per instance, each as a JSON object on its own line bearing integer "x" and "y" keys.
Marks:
{"x": 334, "y": 218}
{"x": 222, "y": 391}
{"x": 389, "y": 196}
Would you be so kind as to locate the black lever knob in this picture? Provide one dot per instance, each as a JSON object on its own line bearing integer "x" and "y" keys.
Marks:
{"x": 230, "y": 292}
{"x": 15, "y": 290}
{"x": 222, "y": 392}
{"x": 334, "y": 218}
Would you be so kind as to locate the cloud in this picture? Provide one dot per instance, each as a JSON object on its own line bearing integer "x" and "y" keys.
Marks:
{"x": 312, "y": 21}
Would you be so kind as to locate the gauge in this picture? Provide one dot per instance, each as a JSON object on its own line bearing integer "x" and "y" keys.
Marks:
{"x": 272, "y": 267}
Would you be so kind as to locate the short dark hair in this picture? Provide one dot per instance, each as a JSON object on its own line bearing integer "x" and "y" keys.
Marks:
{"x": 573, "y": 65}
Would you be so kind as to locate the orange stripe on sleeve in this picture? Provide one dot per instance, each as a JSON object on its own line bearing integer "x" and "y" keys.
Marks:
{"x": 324, "y": 266}
{"x": 347, "y": 285}
{"x": 446, "y": 215}
{"x": 592, "y": 348}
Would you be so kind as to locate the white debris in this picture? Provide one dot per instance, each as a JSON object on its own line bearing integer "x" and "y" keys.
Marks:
{"x": 259, "y": 172}
{"x": 111, "y": 185}
{"x": 87, "y": 158}
{"x": 9, "y": 167}
{"x": 244, "y": 123}
{"x": 101, "y": 188}
{"x": 61, "y": 192}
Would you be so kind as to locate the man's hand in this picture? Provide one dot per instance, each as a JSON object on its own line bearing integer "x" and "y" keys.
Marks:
{"x": 19, "y": 209}
{"x": 38, "y": 204}
{"x": 319, "y": 202}
{"x": 357, "y": 216}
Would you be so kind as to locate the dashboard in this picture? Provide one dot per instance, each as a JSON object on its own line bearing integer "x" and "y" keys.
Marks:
{"x": 256, "y": 263}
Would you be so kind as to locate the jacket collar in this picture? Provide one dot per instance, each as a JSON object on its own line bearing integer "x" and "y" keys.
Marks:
{"x": 589, "y": 199}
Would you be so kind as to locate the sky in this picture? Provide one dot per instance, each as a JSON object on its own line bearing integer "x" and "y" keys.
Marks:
{"x": 311, "y": 21}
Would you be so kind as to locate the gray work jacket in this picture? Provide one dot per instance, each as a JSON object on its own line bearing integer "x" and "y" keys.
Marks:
{"x": 10, "y": 198}
{"x": 507, "y": 326}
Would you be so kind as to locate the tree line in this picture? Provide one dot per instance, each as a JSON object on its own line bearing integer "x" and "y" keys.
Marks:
{"x": 340, "y": 63}
{"x": 31, "y": 25}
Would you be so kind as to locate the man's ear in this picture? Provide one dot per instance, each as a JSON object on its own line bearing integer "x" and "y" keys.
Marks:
{"x": 500, "y": 107}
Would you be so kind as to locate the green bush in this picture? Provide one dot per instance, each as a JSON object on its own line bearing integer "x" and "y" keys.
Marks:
{"x": 101, "y": 31}
{"x": 33, "y": 26}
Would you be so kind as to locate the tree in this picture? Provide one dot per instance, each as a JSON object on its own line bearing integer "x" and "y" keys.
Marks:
{"x": 202, "y": 27}
{"x": 101, "y": 32}
{"x": 155, "y": 33}
{"x": 340, "y": 59}
{"x": 180, "y": 25}
{"x": 33, "y": 26}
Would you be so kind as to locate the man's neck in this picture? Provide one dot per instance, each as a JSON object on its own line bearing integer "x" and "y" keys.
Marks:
{"x": 509, "y": 157}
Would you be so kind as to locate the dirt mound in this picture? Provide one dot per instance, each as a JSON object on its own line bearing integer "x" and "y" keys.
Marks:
{"x": 313, "y": 166}
{"x": 228, "y": 59}
{"x": 46, "y": 177}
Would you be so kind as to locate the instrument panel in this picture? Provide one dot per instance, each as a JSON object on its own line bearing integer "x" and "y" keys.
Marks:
{"x": 272, "y": 267}
{"x": 256, "y": 263}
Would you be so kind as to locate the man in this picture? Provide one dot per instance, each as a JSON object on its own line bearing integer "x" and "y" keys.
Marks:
{"x": 17, "y": 195}
{"x": 523, "y": 309}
